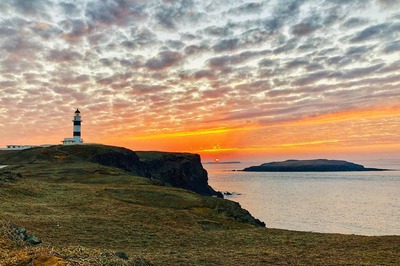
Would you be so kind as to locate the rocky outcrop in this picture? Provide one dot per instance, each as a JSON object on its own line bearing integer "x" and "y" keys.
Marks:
{"x": 183, "y": 170}
{"x": 235, "y": 211}
{"x": 319, "y": 165}
{"x": 24, "y": 236}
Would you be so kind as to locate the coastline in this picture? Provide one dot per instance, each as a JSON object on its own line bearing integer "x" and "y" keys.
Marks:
{"x": 136, "y": 216}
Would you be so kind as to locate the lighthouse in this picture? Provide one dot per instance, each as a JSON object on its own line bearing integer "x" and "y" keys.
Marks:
{"x": 77, "y": 130}
{"x": 77, "y": 126}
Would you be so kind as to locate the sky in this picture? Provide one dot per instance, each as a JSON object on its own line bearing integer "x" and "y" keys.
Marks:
{"x": 228, "y": 79}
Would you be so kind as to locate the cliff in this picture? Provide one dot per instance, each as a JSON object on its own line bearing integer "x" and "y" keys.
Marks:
{"x": 183, "y": 170}
{"x": 319, "y": 165}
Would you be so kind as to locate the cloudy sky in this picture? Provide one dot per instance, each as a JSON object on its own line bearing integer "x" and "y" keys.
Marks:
{"x": 226, "y": 78}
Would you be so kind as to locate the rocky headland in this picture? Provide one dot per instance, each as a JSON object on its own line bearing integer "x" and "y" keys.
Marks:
{"x": 183, "y": 170}
{"x": 319, "y": 165}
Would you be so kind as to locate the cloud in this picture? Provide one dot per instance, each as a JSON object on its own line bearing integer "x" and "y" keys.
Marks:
{"x": 369, "y": 33}
{"x": 204, "y": 74}
{"x": 164, "y": 59}
{"x": 70, "y": 9}
{"x": 288, "y": 46}
{"x": 357, "y": 50}
{"x": 221, "y": 61}
{"x": 247, "y": 8}
{"x": 388, "y": 3}
{"x": 354, "y": 22}
{"x": 45, "y": 30}
{"x": 311, "y": 78}
{"x": 302, "y": 29}
{"x": 218, "y": 31}
{"x": 64, "y": 55}
{"x": 8, "y": 84}
{"x": 392, "y": 47}
{"x": 362, "y": 71}
{"x": 74, "y": 29}
{"x": 169, "y": 15}
{"x": 174, "y": 62}
{"x": 133, "y": 62}
{"x": 226, "y": 45}
{"x": 298, "y": 62}
{"x": 174, "y": 44}
{"x": 287, "y": 8}
{"x": 32, "y": 7}
{"x": 195, "y": 49}
{"x": 338, "y": 60}
{"x": 22, "y": 46}
{"x": 110, "y": 12}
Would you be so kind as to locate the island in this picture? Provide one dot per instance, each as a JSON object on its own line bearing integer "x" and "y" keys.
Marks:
{"x": 318, "y": 165}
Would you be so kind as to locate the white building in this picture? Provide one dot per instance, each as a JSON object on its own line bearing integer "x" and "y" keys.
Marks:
{"x": 76, "y": 139}
{"x": 20, "y": 147}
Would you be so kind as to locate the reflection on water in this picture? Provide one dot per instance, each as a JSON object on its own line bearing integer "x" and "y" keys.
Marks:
{"x": 363, "y": 203}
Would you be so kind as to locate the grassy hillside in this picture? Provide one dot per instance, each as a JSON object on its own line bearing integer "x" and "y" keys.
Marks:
{"x": 85, "y": 212}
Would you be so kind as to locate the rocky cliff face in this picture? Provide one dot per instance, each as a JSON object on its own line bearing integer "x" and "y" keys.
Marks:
{"x": 183, "y": 170}
{"x": 109, "y": 156}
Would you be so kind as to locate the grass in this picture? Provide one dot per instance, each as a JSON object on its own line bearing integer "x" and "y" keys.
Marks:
{"x": 84, "y": 213}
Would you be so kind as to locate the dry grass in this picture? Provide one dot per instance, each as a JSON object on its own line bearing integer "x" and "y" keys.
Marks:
{"x": 84, "y": 213}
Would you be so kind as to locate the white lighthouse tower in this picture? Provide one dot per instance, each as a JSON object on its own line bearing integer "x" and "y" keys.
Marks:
{"x": 77, "y": 130}
{"x": 77, "y": 126}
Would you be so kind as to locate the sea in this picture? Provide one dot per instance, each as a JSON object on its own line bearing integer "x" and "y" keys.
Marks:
{"x": 361, "y": 203}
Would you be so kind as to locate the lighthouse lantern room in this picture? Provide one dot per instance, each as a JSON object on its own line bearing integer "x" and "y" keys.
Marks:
{"x": 77, "y": 130}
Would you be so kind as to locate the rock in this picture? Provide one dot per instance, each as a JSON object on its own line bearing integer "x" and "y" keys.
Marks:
{"x": 21, "y": 232}
{"x": 33, "y": 240}
{"x": 23, "y": 235}
{"x": 234, "y": 210}
{"x": 122, "y": 255}
{"x": 183, "y": 170}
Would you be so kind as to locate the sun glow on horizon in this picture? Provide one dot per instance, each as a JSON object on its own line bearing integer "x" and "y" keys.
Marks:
{"x": 343, "y": 131}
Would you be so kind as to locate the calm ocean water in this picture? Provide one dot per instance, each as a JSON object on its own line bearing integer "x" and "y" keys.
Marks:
{"x": 363, "y": 203}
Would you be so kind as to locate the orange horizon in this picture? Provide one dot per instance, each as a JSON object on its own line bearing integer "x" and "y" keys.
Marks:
{"x": 362, "y": 132}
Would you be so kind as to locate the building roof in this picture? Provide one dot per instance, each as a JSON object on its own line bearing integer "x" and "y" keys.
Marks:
{"x": 77, "y": 111}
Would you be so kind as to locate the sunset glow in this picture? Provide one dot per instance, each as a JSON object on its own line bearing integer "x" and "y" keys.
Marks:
{"x": 227, "y": 79}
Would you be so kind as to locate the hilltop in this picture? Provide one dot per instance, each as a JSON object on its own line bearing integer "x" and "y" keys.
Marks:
{"x": 319, "y": 165}
{"x": 89, "y": 206}
{"x": 182, "y": 170}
